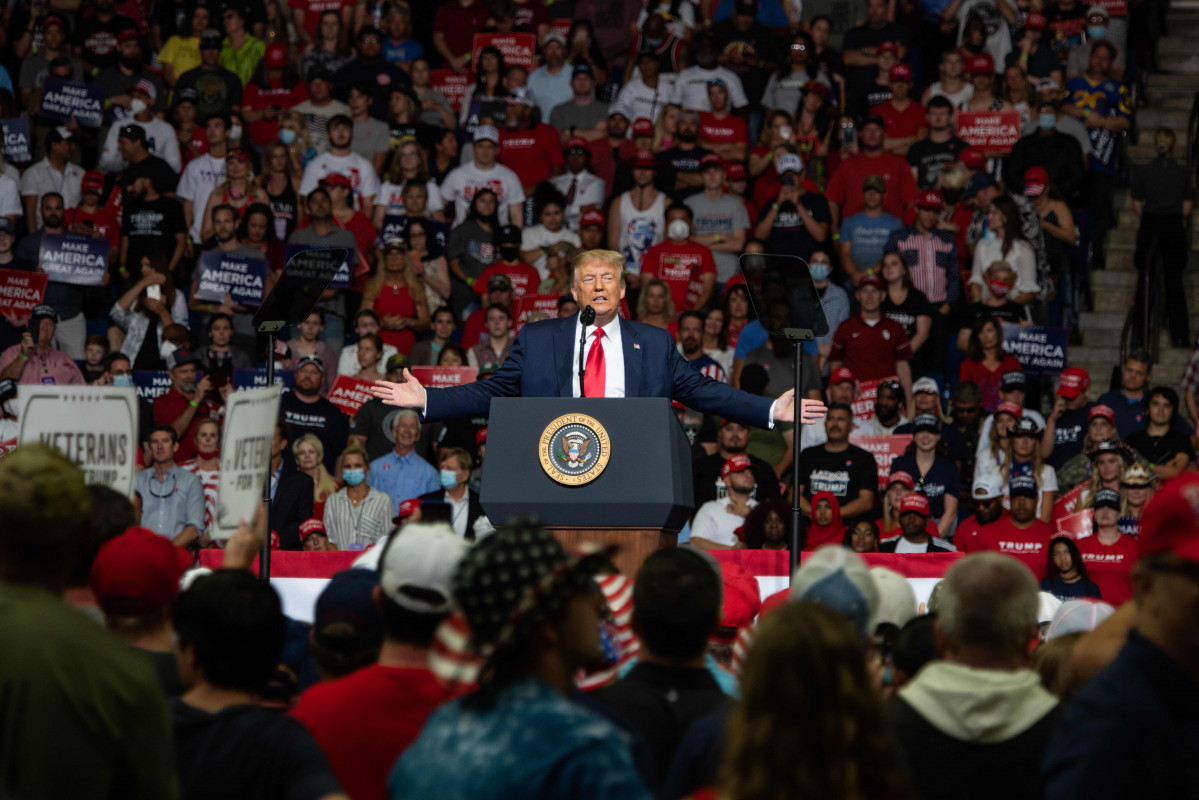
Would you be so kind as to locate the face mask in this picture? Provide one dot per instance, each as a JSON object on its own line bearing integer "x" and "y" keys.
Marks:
{"x": 137, "y": 105}
{"x": 235, "y": 132}
{"x": 1047, "y": 121}
{"x": 678, "y": 229}
{"x": 166, "y": 348}
{"x": 989, "y": 237}
{"x": 122, "y": 380}
{"x": 654, "y": 42}
{"x": 353, "y": 477}
{"x": 287, "y": 135}
{"x": 448, "y": 478}
{"x": 818, "y": 271}
{"x": 510, "y": 252}
{"x": 998, "y": 288}
{"x": 1096, "y": 32}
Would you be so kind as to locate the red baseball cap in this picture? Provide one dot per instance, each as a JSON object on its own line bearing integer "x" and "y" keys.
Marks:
{"x": 841, "y": 375}
{"x": 1170, "y": 522}
{"x": 888, "y": 47}
{"x": 870, "y": 279}
{"x": 592, "y": 217}
{"x": 1100, "y": 410}
{"x": 1035, "y": 22}
{"x": 643, "y": 159}
{"x": 1008, "y": 407}
{"x": 137, "y": 572}
{"x": 642, "y": 127}
{"x": 973, "y": 158}
{"x": 336, "y": 179}
{"x": 914, "y": 502}
{"x": 406, "y": 509}
{"x": 737, "y": 463}
{"x": 735, "y": 171}
{"x": 576, "y": 143}
{"x": 710, "y": 160}
{"x": 276, "y": 55}
{"x": 1074, "y": 381}
{"x": 980, "y": 64}
{"x": 480, "y": 436}
{"x": 901, "y": 72}
{"x": 311, "y": 526}
{"x": 930, "y": 200}
{"x": 1035, "y": 181}
{"x": 900, "y": 476}
{"x": 736, "y": 615}
{"x": 92, "y": 181}
{"x": 128, "y": 35}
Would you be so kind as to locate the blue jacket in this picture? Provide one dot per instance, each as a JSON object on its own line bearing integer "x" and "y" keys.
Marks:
{"x": 540, "y": 365}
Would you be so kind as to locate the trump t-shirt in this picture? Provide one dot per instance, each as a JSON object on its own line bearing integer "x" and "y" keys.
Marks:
{"x": 681, "y": 266}
{"x": 1109, "y": 566}
{"x": 843, "y": 474}
{"x": 1027, "y": 544}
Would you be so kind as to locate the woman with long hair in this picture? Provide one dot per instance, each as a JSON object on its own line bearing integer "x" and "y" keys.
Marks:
{"x": 1109, "y": 459}
{"x": 409, "y": 163}
{"x": 1109, "y": 553}
{"x": 818, "y": 733}
{"x": 293, "y": 133}
{"x": 778, "y": 131}
{"x": 666, "y": 126}
{"x": 309, "y": 453}
{"x": 1065, "y": 573}
{"x": 398, "y": 297}
{"x": 257, "y": 229}
{"x": 738, "y": 312}
{"x": 1138, "y": 485}
{"x": 472, "y": 245}
{"x": 933, "y": 472}
{"x": 238, "y": 191}
{"x": 654, "y": 306}
{"x": 584, "y": 48}
{"x": 331, "y": 45}
{"x": 716, "y": 340}
{"x": 182, "y": 52}
{"x": 142, "y": 318}
{"x": 1101, "y": 425}
{"x": 899, "y": 485}
{"x": 908, "y": 306}
{"x": 814, "y": 118}
{"x": 986, "y": 360}
{"x": 483, "y": 101}
{"x": 861, "y": 537}
{"x": 766, "y": 527}
{"x": 1004, "y": 241}
{"x": 356, "y": 514}
{"x": 1023, "y": 457}
{"x": 279, "y": 180}
{"x": 433, "y": 272}
{"x": 993, "y": 452}
{"x": 784, "y": 88}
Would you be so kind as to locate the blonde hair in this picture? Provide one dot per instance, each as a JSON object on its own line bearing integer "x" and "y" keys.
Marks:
{"x": 660, "y": 124}
{"x": 300, "y": 128}
{"x": 643, "y": 299}
{"x": 395, "y": 172}
{"x": 375, "y": 285}
{"x": 325, "y": 485}
{"x": 998, "y": 267}
{"x": 609, "y": 258}
{"x": 952, "y": 176}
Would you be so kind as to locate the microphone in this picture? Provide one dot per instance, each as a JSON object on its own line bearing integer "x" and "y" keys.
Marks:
{"x": 587, "y": 317}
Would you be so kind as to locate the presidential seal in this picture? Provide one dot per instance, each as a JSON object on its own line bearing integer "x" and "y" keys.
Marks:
{"x": 574, "y": 449}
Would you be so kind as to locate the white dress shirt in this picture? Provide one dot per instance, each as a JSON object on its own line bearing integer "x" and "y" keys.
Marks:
{"x": 613, "y": 358}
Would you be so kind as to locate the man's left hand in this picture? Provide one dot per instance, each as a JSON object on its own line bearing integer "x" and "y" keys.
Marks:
{"x": 810, "y": 410}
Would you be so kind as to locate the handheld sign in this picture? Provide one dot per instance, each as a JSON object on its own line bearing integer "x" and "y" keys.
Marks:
{"x": 243, "y": 278}
{"x": 20, "y": 291}
{"x": 437, "y": 377}
{"x": 74, "y": 259}
{"x": 451, "y": 85}
{"x": 153, "y": 383}
{"x": 523, "y": 307}
{"x": 93, "y": 426}
{"x": 245, "y": 456}
{"x": 342, "y": 279}
{"x": 1040, "y": 350}
{"x": 885, "y": 449}
{"x": 66, "y": 100}
{"x": 17, "y": 144}
{"x": 990, "y": 131}
{"x": 349, "y": 394}
{"x": 516, "y": 48}
{"x": 255, "y": 378}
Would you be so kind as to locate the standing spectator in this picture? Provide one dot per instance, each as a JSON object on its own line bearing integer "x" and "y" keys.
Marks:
{"x": 33, "y": 361}
{"x": 306, "y": 342}
{"x": 466, "y": 513}
{"x": 523, "y": 277}
{"x": 1004, "y": 241}
{"x": 492, "y": 351}
{"x": 986, "y": 617}
{"x": 864, "y": 234}
{"x": 153, "y": 225}
{"x": 372, "y": 68}
{"x": 64, "y": 299}
{"x": 719, "y": 131}
{"x": 241, "y": 52}
{"x": 143, "y": 320}
{"x": 844, "y": 201}
{"x": 721, "y": 222}
{"x": 681, "y": 171}
{"x": 1169, "y": 451}
{"x": 181, "y": 50}
{"x": 870, "y": 345}
{"x": 777, "y": 356}
{"x": 187, "y": 403}
{"x": 307, "y": 17}
{"x": 844, "y": 470}
{"x": 987, "y": 362}
{"x": 934, "y": 474}
{"x": 129, "y": 70}
{"x": 366, "y": 322}
{"x": 1130, "y": 401}
{"x": 1066, "y": 424}
{"x": 357, "y": 516}
{"x": 1033, "y": 54}
{"x": 461, "y": 185}
{"x": 371, "y": 136}
{"x": 454, "y": 30}
{"x": 550, "y": 82}
{"x": 646, "y": 93}
{"x": 305, "y": 410}
{"x": 686, "y": 267}
{"x": 158, "y": 136}
{"x": 583, "y": 115}
{"x": 172, "y": 497}
{"x": 35, "y": 68}
{"x": 203, "y": 174}
{"x": 951, "y": 85}
{"x": 942, "y": 146}
{"x": 54, "y": 173}
{"x": 342, "y": 160}
{"x": 860, "y": 47}
{"x": 529, "y": 148}
{"x": 904, "y": 118}
{"x": 402, "y": 474}
{"x": 1049, "y": 147}
{"x": 889, "y": 406}
{"x": 207, "y": 467}
{"x": 582, "y": 190}
{"x": 691, "y": 85}
{"x": 218, "y": 90}
{"x": 797, "y": 222}
{"x": 319, "y": 107}
{"x": 637, "y": 219}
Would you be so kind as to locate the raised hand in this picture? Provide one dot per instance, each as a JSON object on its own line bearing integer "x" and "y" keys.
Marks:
{"x": 406, "y": 394}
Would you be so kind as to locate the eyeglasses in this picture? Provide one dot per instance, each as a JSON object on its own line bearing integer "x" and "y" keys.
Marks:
{"x": 795, "y": 47}
{"x": 369, "y": 40}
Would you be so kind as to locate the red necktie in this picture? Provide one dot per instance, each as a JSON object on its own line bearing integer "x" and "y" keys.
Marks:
{"x": 595, "y": 379}
{"x": 570, "y": 194}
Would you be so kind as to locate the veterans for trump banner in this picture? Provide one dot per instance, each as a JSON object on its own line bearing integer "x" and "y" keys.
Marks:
{"x": 66, "y": 100}
{"x": 1040, "y": 350}
{"x": 993, "y": 132}
{"x": 74, "y": 259}
{"x": 20, "y": 291}
{"x": 243, "y": 278}
{"x": 245, "y": 456}
{"x": 885, "y": 449}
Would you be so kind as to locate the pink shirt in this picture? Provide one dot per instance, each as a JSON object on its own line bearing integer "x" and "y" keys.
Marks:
{"x": 55, "y": 368}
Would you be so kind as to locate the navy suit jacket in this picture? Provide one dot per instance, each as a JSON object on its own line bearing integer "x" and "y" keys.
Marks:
{"x": 542, "y": 364}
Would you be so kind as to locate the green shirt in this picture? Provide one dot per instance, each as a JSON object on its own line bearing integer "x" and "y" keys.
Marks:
{"x": 81, "y": 715}
{"x": 242, "y": 62}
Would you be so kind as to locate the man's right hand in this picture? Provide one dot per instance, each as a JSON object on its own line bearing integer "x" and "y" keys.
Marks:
{"x": 407, "y": 394}
{"x": 202, "y": 389}
{"x": 28, "y": 348}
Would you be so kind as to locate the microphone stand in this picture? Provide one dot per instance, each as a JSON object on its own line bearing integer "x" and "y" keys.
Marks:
{"x": 587, "y": 317}
{"x": 797, "y": 336}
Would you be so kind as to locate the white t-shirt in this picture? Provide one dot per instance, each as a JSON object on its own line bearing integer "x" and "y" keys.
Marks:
{"x": 161, "y": 141}
{"x": 536, "y": 236}
{"x": 10, "y": 197}
{"x": 905, "y": 546}
{"x": 359, "y": 170}
{"x": 999, "y": 39}
{"x": 638, "y": 100}
{"x": 715, "y": 523}
{"x": 640, "y": 230}
{"x": 41, "y": 178}
{"x": 200, "y": 177}
{"x": 391, "y": 197}
{"x": 347, "y": 362}
{"x": 460, "y": 186}
{"x": 691, "y": 88}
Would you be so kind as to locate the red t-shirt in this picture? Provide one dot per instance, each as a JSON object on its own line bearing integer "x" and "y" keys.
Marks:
{"x": 681, "y": 266}
{"x": 459, "y": 24}
{"x": 257, "y": 98}
{"x": 314, "y": 8}
{"x": 530, "y": 15}
{"x": 901, "y": 124}
{"x": 968, "y": 537}
{"x": 729, "y": 130}
{"x": 365, "y": 721}
{"x": 525, "y": 279}
{"x": 170, "y": 406}
{"x": 870, "y": 351}
{"x": 1029, "y": 545}
{"x": 845, "y": 185}
{"x": 531, "y": 152}
{"x": 1110, "y": 566}
{"x": 104, "y": 221}
{"x": 988, "y": 381}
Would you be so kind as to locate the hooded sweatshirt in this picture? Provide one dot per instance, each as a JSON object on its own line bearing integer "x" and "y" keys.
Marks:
{"x": 833, "y": 533}
{"x": 974, "y": 732}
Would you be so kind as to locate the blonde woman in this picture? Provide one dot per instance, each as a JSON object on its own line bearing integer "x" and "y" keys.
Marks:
{"x": 991, "y": 454}
{"x": 779, "y": 131}
{"x": 410, "y": 163}
{"x": 667, "y": 124}
{"x": 654, "y": 306}
{"x": 1138, "y": 485}
{"x": 309, "y": 453}
{"x": 899, "y": 486}
{"x": 293, "y": 133}
{"x": 238, "y": 191}
{"x": 357, "y": 514}
{"x": 1023, "y": 457}
{"x": 396, "y": 294}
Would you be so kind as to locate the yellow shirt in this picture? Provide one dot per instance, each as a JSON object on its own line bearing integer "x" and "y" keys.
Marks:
{"x": 182, "y": 53}
{"x": 242, "y": 62}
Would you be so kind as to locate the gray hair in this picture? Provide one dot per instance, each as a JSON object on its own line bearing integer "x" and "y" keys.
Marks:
{"x": 988, "y": 601}
{"x": 402, "y": 414}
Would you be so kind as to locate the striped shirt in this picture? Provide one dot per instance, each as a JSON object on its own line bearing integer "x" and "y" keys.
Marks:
{"x": 210, "y": 481}
{"x": 932, "y": 261}
{"x": 362, "y": 524}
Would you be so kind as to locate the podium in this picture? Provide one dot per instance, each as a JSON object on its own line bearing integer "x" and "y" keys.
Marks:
{"x": 614, "y": 471}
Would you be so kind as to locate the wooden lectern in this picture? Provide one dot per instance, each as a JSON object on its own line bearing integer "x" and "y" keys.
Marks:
{"x": 614, "y": 471}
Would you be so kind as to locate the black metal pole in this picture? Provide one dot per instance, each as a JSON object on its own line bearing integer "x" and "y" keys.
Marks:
{"x": 796, "y": 432}
{"x": 264, "y": 560}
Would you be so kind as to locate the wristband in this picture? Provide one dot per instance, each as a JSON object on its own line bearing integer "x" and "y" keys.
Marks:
{"x": 22, "y": 356}
{"x": 716, "y": 238}
{"x": 836, "y": 237}
{"x": 210, "y": 307}
{"x": 193, "y": 404}
{"x": 774, "y": 206}
{"x": 770, "y": 156}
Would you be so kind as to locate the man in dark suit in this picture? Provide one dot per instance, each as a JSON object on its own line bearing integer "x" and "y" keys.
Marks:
{"x": 623, "y": 359}
{"x": 291, "y": 493}
{"x": 465, "y": 508}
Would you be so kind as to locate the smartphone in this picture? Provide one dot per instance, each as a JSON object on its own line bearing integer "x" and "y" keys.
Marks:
{"x": 849, "y": 135}
{"x": 154, "y": 292}
{"x": 785, "y": 132}
{"x": 789, "y": 181}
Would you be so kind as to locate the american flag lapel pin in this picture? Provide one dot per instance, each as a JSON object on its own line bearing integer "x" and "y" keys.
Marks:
{"x": 636, "y": 347}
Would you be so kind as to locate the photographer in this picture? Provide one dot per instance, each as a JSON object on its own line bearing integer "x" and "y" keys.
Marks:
{"x": 798, "y": 220}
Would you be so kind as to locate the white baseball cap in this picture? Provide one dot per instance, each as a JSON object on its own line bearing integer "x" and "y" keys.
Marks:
{"x": 837, "y": 577}
{"x": 418, "y": 564}
{"x": 1078, "y": 616}
{"x": 988, "y": 486}
{"x": 1047, "y": 606}
{"x": 925, "y": 385}
{"x": 789, "y": 162}
{"x": 487, "y": 133}
{"x": 896, "y": 598}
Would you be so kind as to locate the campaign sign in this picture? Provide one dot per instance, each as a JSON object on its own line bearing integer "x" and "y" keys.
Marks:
{"x": 394, "y": 226}
{"x": 523, "y": 307}
{"x": 342, "y": 279}
{"x": 1129, "y": 526}
{"x": 255, "y": 378}
{"x": 885, "y": 449}
{"x": 863, "y": 404}
{"x": 349, "y": 394}
{"x": 1040, "y": 350}
{"x": 64, "y": 100}
{"x": 245, "y": 456}
{"x": 1078, "y": 525}
{"x": 93, "y": 426}
{"x": 990, "y": 131}
{"x": 516, "y": 48}
{"x": 152, "y": 383}
{"x": 445, "y": 376}
{"x": 20, "y": 291}
{"x": 1066, "y": 503}
{"x": 451, "y": 85}
{"x": 18, "y": 147}
{"x": 241, "y": 277}
{"x": 70, "y": 258}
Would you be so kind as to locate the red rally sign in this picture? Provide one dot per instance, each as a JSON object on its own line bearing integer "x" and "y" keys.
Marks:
{"x": 444, "y": 376}
{"x": 885, "y": 449}
{"x": 349, "y": 394}
{"x": 517, "y": 48}
{"x": 990, "y": 131}
{"x": 20, "y": 291}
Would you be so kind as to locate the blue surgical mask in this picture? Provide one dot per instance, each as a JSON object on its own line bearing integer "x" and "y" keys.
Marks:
{"x": 287, "y": 135}
{"x": 353, "y": 477}
{"x": 448, "y": 478}
{"x": 818, "y": 271}
{"x": 654, "y": 42}
{"x": 1096, "y": 32}
{"x": 1047, "y": 121}
{"x": 989, "y": 237}
{"x": 122, "y": 380}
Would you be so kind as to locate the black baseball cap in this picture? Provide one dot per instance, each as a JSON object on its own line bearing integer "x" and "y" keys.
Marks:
{"x": 510, "y": 234}
{"x": 134, "y": 133}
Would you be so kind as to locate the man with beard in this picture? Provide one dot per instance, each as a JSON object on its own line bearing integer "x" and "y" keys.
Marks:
{"x": 187, "y": 403}
{"x": 342, "y": 159}
{"x": 681, "y": 173}
{"x": 66, "y": 300}
{"x": 988, "y": 507}
{"x": 732, "y": 440}
{"x": 529, "y": 148}
{"x": 126, "y": 70}
{"x": 159, "y": 137}
{"x": 691, "y": 346}
{"x": 716, "y": 521}
{"x": 218, "y": 90}
{"x": 838, "y": 467}
{"x": 844, "y": 195}
{"x": 305, "y": 411}
{"x": 913, "y": 522}
{"x": 154, "y": 225}
{"x": 888, "y": 405}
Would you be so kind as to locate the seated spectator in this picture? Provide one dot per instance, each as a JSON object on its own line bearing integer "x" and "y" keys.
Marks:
{"x": 1021, "y": 534}
{"x": 732, "y": 439}
{"x": 935, "y": 473}
{"x": 1109, "y": 554}
{"x": 986, "y": 361}
{"x": 846, "y": 471}
{"x": 524, "y": 278}
{"x": 372, "y": 424}
{"x": 777, "y": 355}
{"x": 987, "y": 498}
{"x": 1099, "y": 426}
{"x": 466, "y": 513}
{"x": 309, "y": 454}
{"x": 861, "y": 537}
{"x": 889, "y": 408}
{"x": 951, "y": 86}
{"x": 900, "y": 484}
{"x": 721, "y": 221}
{"x": 940, "y": 147}
{"x": 1109, "y": 459}
{"x": 1023, "y": 457}
{"x": 358, "y": 515}
{"x": 719, "y": 131}
{"x": 172, "y": 497}
{"x": 690, "y": 346}
{"x": 691, "y": 86}
{"x": 987, "y": 614}
{"x": 914, "y": 517}
{"x": 716, "y": 520}
{"x": 1129, "y": 403}
{"x": 207, "y": 467}
{"x": 864, "y": 234}
{"x": 583, "y": 115}
{"x": 1052, "y": 149}
{"x": 492, "y": 351}
{"x": 980, "y": 69}
{"x": 1012, "y": 385}
{"x": 397, "y": 296}
{"x": 34, "y": 361}
{"x": 188, "y": 402}
{"x": 95, "y": 349}
{"x": 874, "y": 88}
{"x": 767, "y": 526}
{"x": 402, "y": 474}
{"x": 826, "y": 526}
{"x": 1169, "y": 451}
{"x": 366, "y": 321}
{"x": 1137, "y": 487}
{"x": 291, "y": 492}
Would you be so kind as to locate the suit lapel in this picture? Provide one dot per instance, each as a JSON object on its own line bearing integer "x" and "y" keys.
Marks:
{"x": 632, "y": 358}
{"x": 564, "y": 352}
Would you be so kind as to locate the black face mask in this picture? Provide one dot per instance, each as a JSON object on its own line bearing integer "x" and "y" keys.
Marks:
{"x": 510, "y": 252}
